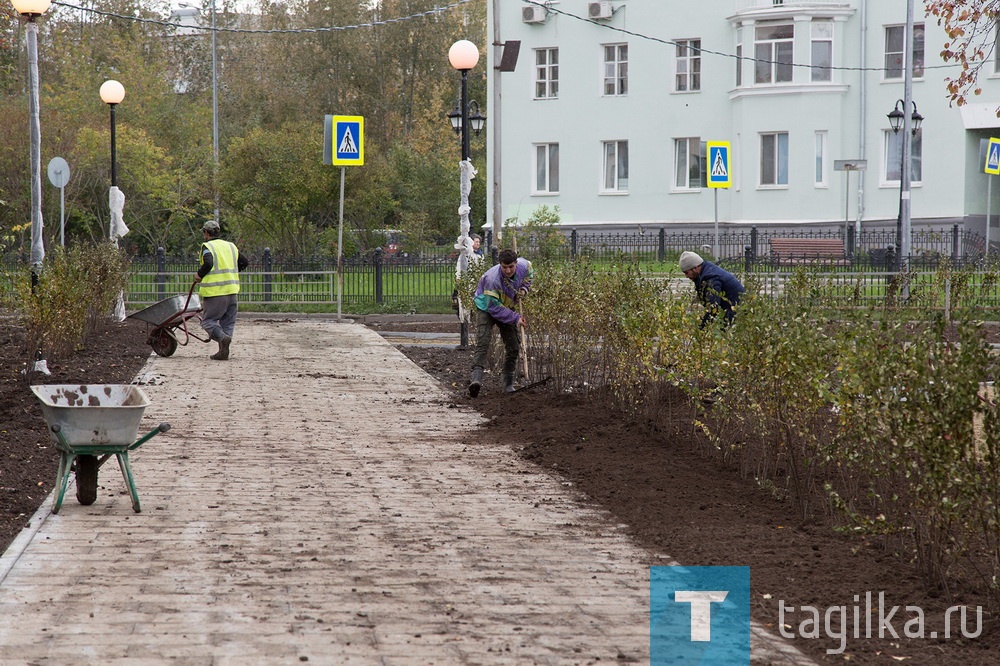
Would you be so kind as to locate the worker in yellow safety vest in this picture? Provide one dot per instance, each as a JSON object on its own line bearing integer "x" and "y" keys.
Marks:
{"x": 219, "y": 283}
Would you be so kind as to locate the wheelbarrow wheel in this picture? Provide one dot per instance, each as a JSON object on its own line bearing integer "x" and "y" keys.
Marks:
{"x": 86, "y": 479}
{"x": 163, "y": 343}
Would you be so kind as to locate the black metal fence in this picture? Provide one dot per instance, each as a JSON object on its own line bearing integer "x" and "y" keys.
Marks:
{"x": 425, "y": 280}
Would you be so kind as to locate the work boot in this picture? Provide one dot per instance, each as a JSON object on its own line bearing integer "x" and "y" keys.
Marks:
{"x": 477, "y": 381}
{"x": 508, "y": 382}
{"x": 223, "y": 353}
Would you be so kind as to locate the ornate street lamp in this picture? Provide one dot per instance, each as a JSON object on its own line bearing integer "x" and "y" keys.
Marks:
{"x": 463, "y": 56}
{"x": 898, "y": 120}
{"x": 29, "y": 11}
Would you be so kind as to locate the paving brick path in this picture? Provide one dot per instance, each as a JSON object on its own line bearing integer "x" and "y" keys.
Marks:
{"x": 318, "y": 500}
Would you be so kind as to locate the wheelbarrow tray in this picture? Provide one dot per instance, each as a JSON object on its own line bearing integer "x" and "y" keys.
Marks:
{"x": 98, "y": 417}
{"x": 162, "y": 312}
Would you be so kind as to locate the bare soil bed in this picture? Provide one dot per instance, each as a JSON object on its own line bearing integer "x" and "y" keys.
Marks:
{"x": 676, "y": 501}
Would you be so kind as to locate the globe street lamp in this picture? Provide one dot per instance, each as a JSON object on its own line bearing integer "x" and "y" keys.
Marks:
{"x": 31, "y": 10}
{"x": 112, "y": 93}
{"x": 463, "y": 56}
{"x": 898, "y": 120}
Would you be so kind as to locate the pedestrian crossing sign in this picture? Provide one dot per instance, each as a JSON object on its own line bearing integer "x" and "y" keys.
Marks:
{"x": 348, "y": 141}
{"x": 720, "y": 172}
{"x": 992, "y": 165}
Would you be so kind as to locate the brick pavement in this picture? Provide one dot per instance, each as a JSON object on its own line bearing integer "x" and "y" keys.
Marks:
{"x": 328, "y": 506}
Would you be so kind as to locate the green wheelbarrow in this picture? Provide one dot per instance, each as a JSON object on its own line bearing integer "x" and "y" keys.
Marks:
{"x": 89, "y": 423}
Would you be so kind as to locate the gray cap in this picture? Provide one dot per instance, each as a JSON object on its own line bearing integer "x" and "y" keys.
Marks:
{"x": 210, "y": 226}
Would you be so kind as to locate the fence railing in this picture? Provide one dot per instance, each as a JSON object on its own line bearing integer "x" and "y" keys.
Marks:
{"x": 425, "y": 280}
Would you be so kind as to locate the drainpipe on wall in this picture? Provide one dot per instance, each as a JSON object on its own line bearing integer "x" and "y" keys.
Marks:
{"x": 863, "y": 103}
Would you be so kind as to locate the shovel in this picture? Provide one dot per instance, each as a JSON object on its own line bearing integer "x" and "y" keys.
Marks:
{"x": 524, "y": 358}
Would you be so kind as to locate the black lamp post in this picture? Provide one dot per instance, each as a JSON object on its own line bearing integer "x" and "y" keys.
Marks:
{"x": 112, "y": 93}
{"x": 463, "y": 56}
{"x": 898, "y": 121}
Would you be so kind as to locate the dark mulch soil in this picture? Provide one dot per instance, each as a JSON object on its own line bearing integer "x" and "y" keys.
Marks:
{"x": 677, "y": 501}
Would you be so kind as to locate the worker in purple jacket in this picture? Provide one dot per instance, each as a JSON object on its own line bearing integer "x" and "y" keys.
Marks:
{"x": 498, "y": 293}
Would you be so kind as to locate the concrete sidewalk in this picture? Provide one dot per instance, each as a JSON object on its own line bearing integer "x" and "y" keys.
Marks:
{"x": 317, "y": 500}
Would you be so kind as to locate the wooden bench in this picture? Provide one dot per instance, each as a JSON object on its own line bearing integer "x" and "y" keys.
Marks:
{"x": 807, "y": 251}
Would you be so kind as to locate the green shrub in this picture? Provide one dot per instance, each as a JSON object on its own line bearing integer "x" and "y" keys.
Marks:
{"x": 76, "y": 291}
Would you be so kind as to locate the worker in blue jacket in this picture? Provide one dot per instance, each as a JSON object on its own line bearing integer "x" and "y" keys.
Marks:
{"x": 717, "y": 288}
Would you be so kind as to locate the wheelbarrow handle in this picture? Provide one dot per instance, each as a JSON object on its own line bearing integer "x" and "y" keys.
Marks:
{"x": 190, "y": 291}
{"x": 163, "y": 427}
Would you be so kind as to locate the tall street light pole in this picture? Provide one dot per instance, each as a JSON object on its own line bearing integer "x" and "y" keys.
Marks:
{"x": 463, "y": 56}
{"x": 112, "y": 93}
{"x": 29, "y": 11}
{"x": 909, "y": 123}
{"x": 215, "y": 115}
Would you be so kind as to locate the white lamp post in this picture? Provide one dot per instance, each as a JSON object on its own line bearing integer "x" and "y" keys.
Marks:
{"x": 31, "y": 10}
{"x": 463, "y": 56}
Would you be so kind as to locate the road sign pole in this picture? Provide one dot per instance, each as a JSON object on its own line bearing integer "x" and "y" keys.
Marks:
{"x": 989, "y": 200}
{"x": 715, "y": 249}
{"x": 340, "y": 246}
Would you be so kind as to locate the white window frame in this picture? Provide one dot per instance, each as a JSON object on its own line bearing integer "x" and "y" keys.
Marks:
{"x": 820, "y": 49}
{"x": 614, "y": 167}
{"x": 547, "y": 73}
{"x": 546, "y": 168}
{"x": 821, "y": 168}
{"x": 766, "y": 54}
{"x": 739, "y": 57}
{"x": 895, "y": 60}
{"x": 776, "y": 156}
{"x": 614, "y": 59}
{"x": 687, "y": 65}
{"x": 682, "y": 163}
{"x": 892, "y": 157}
{"x": 996, "y": 47}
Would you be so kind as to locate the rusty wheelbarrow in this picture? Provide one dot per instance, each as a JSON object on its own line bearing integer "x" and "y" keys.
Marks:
{"x": 89, "y": 423}
{"x": 165, "y": 318}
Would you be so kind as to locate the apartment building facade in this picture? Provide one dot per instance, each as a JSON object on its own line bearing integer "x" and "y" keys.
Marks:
{"x": 610, "y": 108}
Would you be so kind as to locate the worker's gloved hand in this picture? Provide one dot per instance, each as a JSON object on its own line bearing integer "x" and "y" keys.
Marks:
{"x": 197, "y": 278}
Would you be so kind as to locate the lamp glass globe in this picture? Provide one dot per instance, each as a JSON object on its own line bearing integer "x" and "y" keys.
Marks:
{"x": 463, "y": 54}
{"x": 112, "y": 92}
{"x": 31, "y": 7}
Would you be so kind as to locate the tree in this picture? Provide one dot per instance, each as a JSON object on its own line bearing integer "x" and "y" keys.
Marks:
{"x": 970, "y": 26}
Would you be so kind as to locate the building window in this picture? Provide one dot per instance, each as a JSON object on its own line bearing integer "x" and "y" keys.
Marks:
{"x": 615, "y": 166}
{"x": 895, "y": 36}
{"x": 774, "y": 159}
{"x": 822, "y": 50}
{"x": 893, "y": 159}
{"x": 688, "y": 77}
{"x": 820, "y": 159}
{"x": 546, "y": 73}
{"x": 996, "y": 48}
{"x": 616, "y": 69}
{"x": 739, "y": 57}
{"x": 546, "y": 168}
{"x": 773, "y": 52}
{"x": 689, "y": 164}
